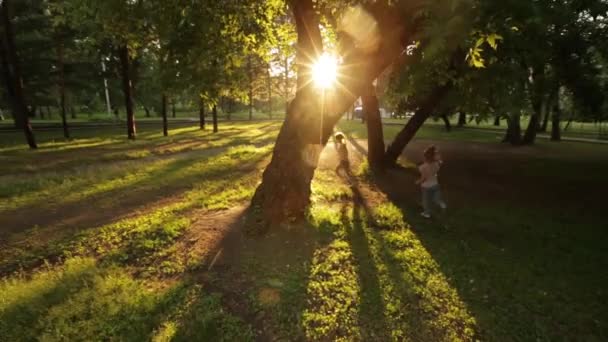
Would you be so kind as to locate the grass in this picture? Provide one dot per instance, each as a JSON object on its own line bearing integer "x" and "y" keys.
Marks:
{"x": 115, "y": 240}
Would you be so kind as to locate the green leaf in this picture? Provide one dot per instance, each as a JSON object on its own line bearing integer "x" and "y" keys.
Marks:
{"x": 492, "y": 40}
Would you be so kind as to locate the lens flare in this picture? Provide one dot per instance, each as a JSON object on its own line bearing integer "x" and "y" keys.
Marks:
{"x": 324, "y": 71}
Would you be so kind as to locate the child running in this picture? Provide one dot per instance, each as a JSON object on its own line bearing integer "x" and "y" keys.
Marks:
{"x": 428, "y": 181}
{"x": 340, "y": 145}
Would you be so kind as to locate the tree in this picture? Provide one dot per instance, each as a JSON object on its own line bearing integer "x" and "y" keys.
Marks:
{"x": 125, "y": 28}
{"x": 12, "y": 74}
{"x": 375, "y": 136}
{"x": 285, "y": 188}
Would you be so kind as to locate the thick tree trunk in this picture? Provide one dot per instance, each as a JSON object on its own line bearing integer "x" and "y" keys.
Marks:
{"x": 556, "y": 134}
{"x": 423, "y": 112}
{"x": 163, "y": 113}
{"x": 462, "y": 118}
{"x": 60, "y": 66}
{"x": 446, "y": 122}
{"x": 147, "y": 110}
{"x": 201, "y": 114}
{"x": 530, "y": 135}
{"x": 214, "y": 115}
{"x": 12, "y": 75}
{"x": 173, "y": 109}
{"x": 73, "y": 112}
{"x": 127, "y": 90}
{"x": 536, "y": 97}
{"x": 285, "y": 189}
{"x": 497, "y": 120}
{"x": 513, "y": 135}
{"x": 375, "y": 136}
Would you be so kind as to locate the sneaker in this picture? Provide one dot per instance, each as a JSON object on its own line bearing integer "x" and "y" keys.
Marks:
{"x": 426, "y": 215}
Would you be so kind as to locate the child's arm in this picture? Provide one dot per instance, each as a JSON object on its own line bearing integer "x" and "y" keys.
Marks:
{"x": 422, "y": 177}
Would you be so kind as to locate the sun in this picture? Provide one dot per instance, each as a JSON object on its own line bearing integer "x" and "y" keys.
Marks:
{"x": 324, "y": 71}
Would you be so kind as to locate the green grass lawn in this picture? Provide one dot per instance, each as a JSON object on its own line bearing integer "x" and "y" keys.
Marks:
{"x": 108, "y": 239}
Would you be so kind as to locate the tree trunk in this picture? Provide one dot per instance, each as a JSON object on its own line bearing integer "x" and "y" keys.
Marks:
{"x": 173, "y": 109}
{"x": 73, "y": 112}
{"x": 127, "y": 90}
{"x": 12, "y": 76}
{"x": 497, "y": 120}
{"x": 546, "y": 113}
{"x": 556, "y": 134}
{"x": 269, "y": 93}
{"x": 462, "y": 118}
{"x": 60, "y": 66}
{"x": 201, "y": 114}
{"x": 375, "y": 136}
{"x": 568, "y": 123}
{"x": 513, "y": 135}
{"x": 214, "y": 115}
{"x": 286, "y": 81}
{"x": 48, "y": 112}
{"x": 536, "y": 97}
{"x": 163, "y": 113}
{"x": 250, "y": 75}
{"x": 285, "y": 189}
{"x": 41, "y": 112}
{"x": 147, "y": 110}
{"x": 530, "y": 135}
{"x": 446, "y": 122}
{"x": 415, "y": 122}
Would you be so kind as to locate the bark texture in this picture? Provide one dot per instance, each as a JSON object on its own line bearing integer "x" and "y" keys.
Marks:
{"x": 375, "y": 136}
{"x": 127, "y": 90}
{"x": 12, "y": 75}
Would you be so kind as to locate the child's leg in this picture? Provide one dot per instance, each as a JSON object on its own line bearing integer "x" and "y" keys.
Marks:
{"x": 438, "y": 199}
{"x": 426, "y": 201}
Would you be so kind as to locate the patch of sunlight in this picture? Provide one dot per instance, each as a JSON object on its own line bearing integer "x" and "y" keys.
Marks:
{"x": 327, "y": 219}
{"x": 79, "y": 184}
{"x": 75, "y": 301}
{"x": 326, "y": 186}
{"x": 166, "y": 332}
{"x": 135, "y": 154}
{"x": 148, "y": 241}
{"x": 388, "y": 216}
{"x": 111, "y": 305}
{"x": 76, "y": 144}
{"x": 61, "y": 145}
{"x": 371, "y": 284}
{"x": 333, "y": 291}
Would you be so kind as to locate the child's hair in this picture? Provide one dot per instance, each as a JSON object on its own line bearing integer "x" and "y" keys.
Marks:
{"x": 339, "y": 137}
{"x": 429, "y": 153}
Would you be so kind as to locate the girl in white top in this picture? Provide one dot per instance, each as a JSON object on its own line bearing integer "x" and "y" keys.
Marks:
{"x": 428, "y": 181}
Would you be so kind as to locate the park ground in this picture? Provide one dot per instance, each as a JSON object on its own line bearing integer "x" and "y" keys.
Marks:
{"x": 108, "y": 239}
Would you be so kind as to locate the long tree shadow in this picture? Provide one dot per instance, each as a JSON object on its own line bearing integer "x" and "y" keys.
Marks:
{"x": 372, "y": 306}
{"x": 417, "y": 298}
{"x": 183, "y": 172}
{"x": 146, "y": 186}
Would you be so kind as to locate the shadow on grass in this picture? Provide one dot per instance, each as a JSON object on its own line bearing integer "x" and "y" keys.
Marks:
{"x": 512, "y": 267}
{"x": 81, "y": 301}
{"x": 85, "y": 195}
{"x": 56, "y": 157}
{"x": 372, "y": 308}
{"x": 238, "y": 163}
